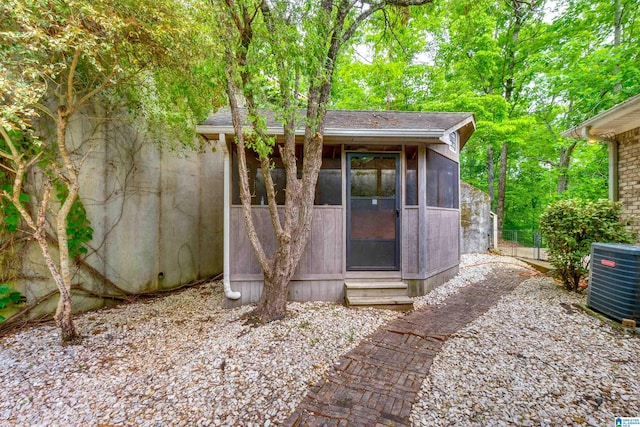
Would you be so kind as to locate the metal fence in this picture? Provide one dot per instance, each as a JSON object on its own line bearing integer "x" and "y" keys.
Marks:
{"x": 524, "y": 244}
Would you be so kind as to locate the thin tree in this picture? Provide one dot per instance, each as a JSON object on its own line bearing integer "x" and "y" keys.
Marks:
{"x": 58, "y": 58}
{"x": 297, "y": 43}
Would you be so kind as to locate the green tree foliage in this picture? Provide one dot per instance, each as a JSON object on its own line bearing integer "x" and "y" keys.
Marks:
{"x": 79, "y": 229}
{"x": 571, "y": 226}
{"x": 554, "y": 64}
{"x": 8, "y": 298}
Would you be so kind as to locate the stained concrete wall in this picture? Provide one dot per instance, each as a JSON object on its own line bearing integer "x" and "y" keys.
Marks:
{"x": 157, "y": 214}
{"x": 475, "y": 218}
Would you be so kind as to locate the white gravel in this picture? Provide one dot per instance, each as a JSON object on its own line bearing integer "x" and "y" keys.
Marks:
{"x": 533, "y": 360}
{"x": 184, "y": 360}
{"x": 473, "y": 268}
{"x": 178, "y": 360}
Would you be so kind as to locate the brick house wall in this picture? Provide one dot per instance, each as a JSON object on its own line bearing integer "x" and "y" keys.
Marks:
{"x": 629, "y": 176}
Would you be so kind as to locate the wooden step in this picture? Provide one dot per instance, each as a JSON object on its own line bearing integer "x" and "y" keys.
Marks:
{"x": 402, "y": 303}
{"x": 375, "y": 289}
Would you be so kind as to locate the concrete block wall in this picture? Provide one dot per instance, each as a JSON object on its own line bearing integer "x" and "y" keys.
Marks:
{"x": 157, "y": 215}
{"x": 475, "y": 218}
{"x": 629, "y": 176}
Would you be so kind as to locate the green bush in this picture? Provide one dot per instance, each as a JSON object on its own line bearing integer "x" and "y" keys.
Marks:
{"x": 571, "y": 226}
{"x": 8, "y": 297}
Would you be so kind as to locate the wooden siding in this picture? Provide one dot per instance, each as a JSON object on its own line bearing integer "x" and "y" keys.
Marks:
{"x": 322, "y": 259}
{"x": 443, "y": 238}
{"x": 299, "y": 290}
{"x": 419, "y": 287}
{"x": 410, "y": 242}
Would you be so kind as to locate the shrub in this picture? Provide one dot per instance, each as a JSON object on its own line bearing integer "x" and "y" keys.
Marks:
{"x": 571, "y": 226}
{"x": 8, "y": 297}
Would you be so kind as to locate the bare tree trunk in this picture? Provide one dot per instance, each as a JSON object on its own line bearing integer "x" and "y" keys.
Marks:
{"x": 273, "y": 301}
{"x": 502, "y": 186}
{"x": 62, "y": 317}
{"x": 38, "y": 225}
{"x": 491, "y": 177}
{"x": 63, "y": 312}
{"x": 62, "y": 275}
{"x": 563, "y": 166}
{"x": 617, "y": 37}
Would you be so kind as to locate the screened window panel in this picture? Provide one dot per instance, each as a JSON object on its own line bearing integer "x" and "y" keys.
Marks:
{"x": 411, "y": 176}
{"x": 328, "y": 188}
{"x": 257, "y": 186}
{"x": 442, "y": 181}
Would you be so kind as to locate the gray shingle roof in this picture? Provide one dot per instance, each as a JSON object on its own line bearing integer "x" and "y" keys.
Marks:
{"x": 366, "y": 123}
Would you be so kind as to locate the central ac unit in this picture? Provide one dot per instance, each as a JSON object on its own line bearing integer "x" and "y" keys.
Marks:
{"x": 614, "y": 284}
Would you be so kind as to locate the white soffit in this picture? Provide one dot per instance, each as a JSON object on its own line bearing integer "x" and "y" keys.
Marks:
{"x": 614, "y": 121}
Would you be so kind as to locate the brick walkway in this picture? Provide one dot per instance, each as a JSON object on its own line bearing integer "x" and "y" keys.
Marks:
{"x": 378, "y": 381}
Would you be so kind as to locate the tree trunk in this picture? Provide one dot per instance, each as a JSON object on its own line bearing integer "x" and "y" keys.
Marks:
{"x": 63, "y": 311}
{"x": 563, "y": 166}
{"x": 68, "y": 332}
{"x": 273, "y": 301}
{"x": 62, "y": 317}
{"x": 38, "y": 224}
{"x": 491, "y": 177}
{"x": 502, "y": 186}
{"x": 617, "y": 37}
{"x": 293, "y": 239}
{"x": 509, "y": 78}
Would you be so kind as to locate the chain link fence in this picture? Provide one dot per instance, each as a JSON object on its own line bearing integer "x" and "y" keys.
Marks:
{"x": 523, "y": 244}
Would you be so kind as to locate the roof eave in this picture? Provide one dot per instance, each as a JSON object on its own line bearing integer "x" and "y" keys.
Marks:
{"x": 337, "y": 132}
{"x": 603, "y": 119}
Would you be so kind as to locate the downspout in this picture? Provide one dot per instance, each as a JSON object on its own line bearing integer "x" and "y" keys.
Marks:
{"x": 226, "y": 268}
{"x": 613, "y": 159}
{"x": 613, "y": 170}
{"x": 494, "y": 230}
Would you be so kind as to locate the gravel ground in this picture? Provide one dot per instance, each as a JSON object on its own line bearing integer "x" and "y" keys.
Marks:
{"x": 533, "y": 360}
{"x": 183, "y": 360}
{"x": 179, "y": 360}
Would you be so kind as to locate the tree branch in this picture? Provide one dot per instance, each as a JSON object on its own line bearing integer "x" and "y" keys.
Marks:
{"x": 245, "y": 198}
{"x": 15, "y": 156}
{"x": 71, "y": 76}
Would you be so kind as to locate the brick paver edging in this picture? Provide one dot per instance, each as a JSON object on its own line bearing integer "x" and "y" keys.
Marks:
{"x": 376, "y": 383}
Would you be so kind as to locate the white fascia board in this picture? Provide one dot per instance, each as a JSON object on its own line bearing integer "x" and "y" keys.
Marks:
{"x": 603, "y": 119}
{"x": 424, "y": 133}
{"x": 461, "y": 124}
{"x": 445, "y": 134}
{"x": 420, "y": 133}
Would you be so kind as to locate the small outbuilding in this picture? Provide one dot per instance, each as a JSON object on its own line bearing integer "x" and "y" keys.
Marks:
{"x": 619, "y": 127}
{"x": 387, "y": 205}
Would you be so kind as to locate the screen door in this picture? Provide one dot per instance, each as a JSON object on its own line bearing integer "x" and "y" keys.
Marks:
{"x": 372, "y": 211}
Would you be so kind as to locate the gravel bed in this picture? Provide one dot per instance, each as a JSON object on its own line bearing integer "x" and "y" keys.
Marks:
{"x": 183, "y": 360}
{"x": 533, "y": 359}
{"x": 180, "y": 360}
{"x": 473, "y": 268}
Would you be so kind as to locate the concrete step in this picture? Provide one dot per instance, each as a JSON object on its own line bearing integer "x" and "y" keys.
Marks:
{"x": 401, "y": 303}
{"x": 375, "y": 289}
